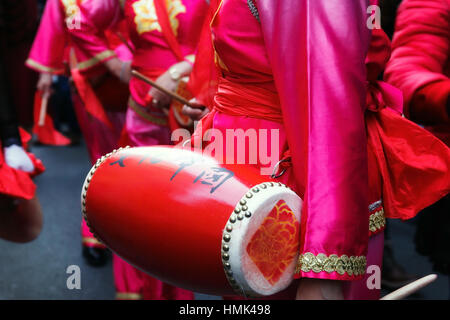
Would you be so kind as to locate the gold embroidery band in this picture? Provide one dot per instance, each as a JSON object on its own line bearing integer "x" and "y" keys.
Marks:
{"x": 93, "y": 241}
{"x": 141, "y": 111}
{"x": 128, "y": 296}
{"x": 40, "y": 67}
{"x": 353, "y": 266}
{"x": 377, "y": 221}
{"x": 96, "y": 59}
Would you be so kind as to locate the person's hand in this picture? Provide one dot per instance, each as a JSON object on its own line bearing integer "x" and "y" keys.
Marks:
{"x": 319, "y": 289}
{"x": 44, "y": 84}
{"x": 195, "y": 113}
{"x": 17, "y": 158}
{"x": 160, "y": 99}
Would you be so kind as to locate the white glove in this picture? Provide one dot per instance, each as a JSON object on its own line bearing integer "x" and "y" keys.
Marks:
{"x": 17, "y": 158}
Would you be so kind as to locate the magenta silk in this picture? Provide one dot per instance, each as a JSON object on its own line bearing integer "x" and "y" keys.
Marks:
{"x": 323, "y": 108}
{"x": 58, "y": 33}
{"x": 322, "y": 105}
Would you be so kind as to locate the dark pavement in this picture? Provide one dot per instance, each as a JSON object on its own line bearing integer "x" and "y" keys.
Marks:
{"x": 37, "y": 270}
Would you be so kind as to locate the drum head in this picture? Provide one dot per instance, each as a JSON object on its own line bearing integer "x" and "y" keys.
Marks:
{"x": 261, "y": 240}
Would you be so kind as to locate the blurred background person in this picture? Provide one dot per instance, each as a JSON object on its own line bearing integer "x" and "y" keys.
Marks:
{"x": 97, "y": 95}
{"x": 20, "y": 212}
{"x": 394, "y": 274}
{"x": 420, "y": 66}
{"x": 163, "y": 36}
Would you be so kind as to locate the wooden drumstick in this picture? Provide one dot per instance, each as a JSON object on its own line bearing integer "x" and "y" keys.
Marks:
{"x": 410, "y": 288}
{"x": 124, "y": 41}
{"x": 43, "y": 110}
{"x": 168, "y": 92}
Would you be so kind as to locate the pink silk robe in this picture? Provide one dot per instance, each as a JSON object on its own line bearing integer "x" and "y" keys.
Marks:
{"x": 330, "y": 164}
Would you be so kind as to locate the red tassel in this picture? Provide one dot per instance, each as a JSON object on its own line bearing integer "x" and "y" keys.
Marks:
{"x": 46, "y": 132}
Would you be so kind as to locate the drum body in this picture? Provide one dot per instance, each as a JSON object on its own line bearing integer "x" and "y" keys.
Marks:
{"x": 194, "y": 223}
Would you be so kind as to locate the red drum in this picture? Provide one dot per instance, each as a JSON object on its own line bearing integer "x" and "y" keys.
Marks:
{"x": 194, "y": 223}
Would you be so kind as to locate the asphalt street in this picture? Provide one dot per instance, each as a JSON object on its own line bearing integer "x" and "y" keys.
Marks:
{"x": 38, "y": 270}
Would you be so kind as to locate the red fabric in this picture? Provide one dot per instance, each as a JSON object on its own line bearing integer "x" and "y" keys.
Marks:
{"x": 203, "y": 79}
{"x": 17, "y": 183}
{"x": 433, "y": 102}
{"x": 414, "y": 164}
{"x": 166, "y": 28}
{"x": 88, "y": 96}
{"x": 420, "y": 62}
{"x": 46, "y": 134}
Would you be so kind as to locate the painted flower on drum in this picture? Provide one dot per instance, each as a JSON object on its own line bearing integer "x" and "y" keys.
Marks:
{"x": 146, "y": 19}
{"x": 274, "y": 245}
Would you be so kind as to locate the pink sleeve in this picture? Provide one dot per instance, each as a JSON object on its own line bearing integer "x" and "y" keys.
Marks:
{"x": 420, "y": 49}
{"x": 47, "y": 52}
{"x": 89, "y": 37}
{"x": 317, "y": 51}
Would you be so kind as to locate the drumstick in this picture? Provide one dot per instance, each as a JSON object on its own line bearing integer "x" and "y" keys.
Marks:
{"x": 43, "y": 110}
{"x": 168, "y": 92}
{"x": 124, "y": 41}
{"x": 410, "y": 288}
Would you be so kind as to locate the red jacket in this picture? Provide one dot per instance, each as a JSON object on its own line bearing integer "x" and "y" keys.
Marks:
{"x": 420, "y": 63}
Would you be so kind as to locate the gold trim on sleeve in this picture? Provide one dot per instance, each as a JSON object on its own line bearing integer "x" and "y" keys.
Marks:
{"x": 142, "y": 111}
{"x": 353, "y": 266}
{"x": 377, "y": 220}
{"x": 36, "y": 65}
{"x": 95, "y": 60}
{"x": 128, "y": 296}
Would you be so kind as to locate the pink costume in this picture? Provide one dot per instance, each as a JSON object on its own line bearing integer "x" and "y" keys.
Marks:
{"x": 420, "y": 63}
{"x": 302, "y": 73}
{"x": 55, "y": 45}
{"x": 146, "y": 125}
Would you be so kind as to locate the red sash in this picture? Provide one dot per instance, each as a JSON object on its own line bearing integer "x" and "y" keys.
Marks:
{"x": 413, "y": 163}
{"x": 166, "y": 29}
